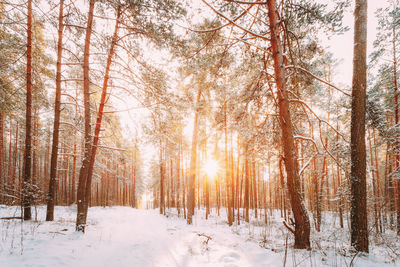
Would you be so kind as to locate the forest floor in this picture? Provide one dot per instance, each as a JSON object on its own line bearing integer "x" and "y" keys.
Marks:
{"x": 122, "y": 236}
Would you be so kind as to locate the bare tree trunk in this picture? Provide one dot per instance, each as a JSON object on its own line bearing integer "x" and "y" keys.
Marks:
{"x": 178, "y": 174}
{"x": 302, "y": 223}
{"x": 10, "y": 155}
{"x": 34, "y": 148}
{"x": 14, "y": 160}
{"x": 83, "y": 173}
{"x": 378, "y": 188}
{"x": 100, "y": 112}
{"x": 162, "y": 182}
{"x": 373, "y": 176}
{"x": 2, "y": 172}
{"x": 227, "y": 176}
{"x": 56, "y": 126}
{"x": 238, "y": 195}
{"x": 134, "y": 177}
{"x": 358, "y": 208}
{"x": 316, "y": 196}
{"x": 396, "y": 122}
{"x": 255, "y": 199}
{"x": 232, "y": 178}
{"x": 246, "y": 184}
{"x": 193, "y": 162}
{"x": 73, "y": 182}
{"x": 28, "y": 130}
{"x": 184, "y": 185}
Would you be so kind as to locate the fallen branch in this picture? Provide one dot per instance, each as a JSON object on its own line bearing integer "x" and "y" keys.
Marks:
{"x": 57, "y": 233}
{"x": 206, "y": 236}
{"x": 11, "y": 218}
{"x": 288, "y": 227}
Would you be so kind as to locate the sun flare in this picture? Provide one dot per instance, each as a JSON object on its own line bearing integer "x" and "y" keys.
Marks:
{"x": 211, "y": 168}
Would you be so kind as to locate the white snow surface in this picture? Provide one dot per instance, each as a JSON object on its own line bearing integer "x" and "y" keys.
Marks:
{"x": 123, "y": 236}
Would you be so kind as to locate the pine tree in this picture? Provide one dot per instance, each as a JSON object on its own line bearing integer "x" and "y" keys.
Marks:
{"x": 358, "y": 207}
{"x": 56, "y": 127}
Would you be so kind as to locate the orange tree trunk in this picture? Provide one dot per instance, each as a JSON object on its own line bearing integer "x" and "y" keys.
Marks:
{"x": 302, "y": 223}
{"x": 193, "y": 160}
{"x": 100, "y": 112}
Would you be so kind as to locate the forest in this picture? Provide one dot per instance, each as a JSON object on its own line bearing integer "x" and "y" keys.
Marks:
{"x": 199, "y": 132}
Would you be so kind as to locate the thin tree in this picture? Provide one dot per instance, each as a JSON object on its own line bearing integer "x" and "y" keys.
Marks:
{"x": 28, "y": 122}
{"x": 56, "y": 124}
{"x": 83, "y": 172}
{"x": 193, "y": 160}
{"x": 301, "y": 223}
{"x": 358, "y": 206}
{"x": 101, "y": 109}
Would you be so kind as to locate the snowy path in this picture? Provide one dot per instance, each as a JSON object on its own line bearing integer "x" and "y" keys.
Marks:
{"x": 121, "y": 236}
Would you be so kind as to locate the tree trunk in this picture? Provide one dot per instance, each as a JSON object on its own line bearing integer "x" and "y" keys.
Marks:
{"x": 83, "y": 202}
{"x": 2, "y": 172}
{"x": 378, "y": 188}
{"x": 15, "y": 160}
{"x": 100, "y": 112}
{"x": 162, "y": 178}
{"x": 10, "y": 155}
{"x": 56, "y": 126}
{"x": 232, "y": 178}
{"x": 302, "y": 223}
{"x": 28, "y": 130}
{"x": 73, "y": 182}
{"x": 237, "y": 181}
{"x": 255, "y": 199}
{"x": 134, "y": 177}
{"x": 178, "y": 173}
{"x": 227, "y": 176}
{"x": 396, "y": 122}
{"x": 358, "y": 208}
{"x": 193, "y": 162}
{"x": 373, "y": 176}
{"x": 246, "y": 184}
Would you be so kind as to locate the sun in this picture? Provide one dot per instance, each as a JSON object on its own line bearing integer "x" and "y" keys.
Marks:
{"x": 211, "y": 167}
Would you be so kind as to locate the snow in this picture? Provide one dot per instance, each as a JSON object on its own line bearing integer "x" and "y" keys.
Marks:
{"x": 122, "y": 236}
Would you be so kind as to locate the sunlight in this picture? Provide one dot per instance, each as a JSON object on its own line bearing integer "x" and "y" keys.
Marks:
{"x": 211, "y": 167}
{"x": 147, "y": 199}
{"x": 188, "y": 129}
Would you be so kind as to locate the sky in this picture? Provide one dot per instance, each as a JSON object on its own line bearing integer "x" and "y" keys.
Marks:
{"x": 342, "y": 45}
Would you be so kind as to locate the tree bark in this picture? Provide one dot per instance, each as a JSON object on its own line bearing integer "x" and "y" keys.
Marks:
{"x": 396, "y": 122}
{"x": 100, "y": 111}
{"x": 162, "y": 178}
{"x": 83, "y": 202}
{"x": 246, "y": 184}
{"x": 193, "y": 162}
{"x": 56, "y": 125}
{"x": 227, "y": 174}
{"x": 73, "y": 182}
{"x": 302, "y": 223}
{"x": 28, "y": 127}
{"x": 134, "y": 177}
{"x": 2, "y": 172}
{"x": 358, "y": 207}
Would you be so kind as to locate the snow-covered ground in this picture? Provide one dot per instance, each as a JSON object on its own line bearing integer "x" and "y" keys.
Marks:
{"x": 122, "y": 236}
